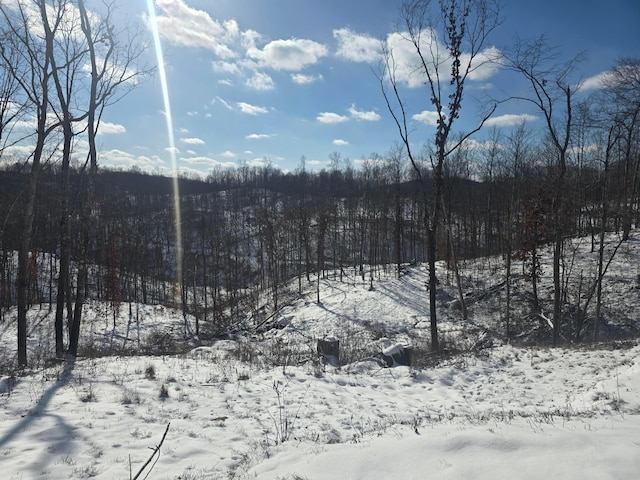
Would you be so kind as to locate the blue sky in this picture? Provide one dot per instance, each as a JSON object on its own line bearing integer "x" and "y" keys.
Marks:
{"x": 250, "y": 80}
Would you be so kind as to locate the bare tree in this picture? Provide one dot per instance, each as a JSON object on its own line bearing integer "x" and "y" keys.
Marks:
{"x": 68, "y": 55}
{"x": 551, "y": 92}
{"x": 448, "y": 40}
{"x": 622, "y": 97}
{"x": 45, "y": 56}
{"x": 113, "y": 57}
{"x": 33, "y": 50}
{"x": 517, "y": 151}
{"x": 11, "y": 108}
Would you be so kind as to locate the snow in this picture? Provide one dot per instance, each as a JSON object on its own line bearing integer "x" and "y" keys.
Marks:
{"x": 265, "y": 407}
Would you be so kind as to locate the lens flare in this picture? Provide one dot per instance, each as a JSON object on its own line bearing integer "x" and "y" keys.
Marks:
{"x": 172, "y": 151}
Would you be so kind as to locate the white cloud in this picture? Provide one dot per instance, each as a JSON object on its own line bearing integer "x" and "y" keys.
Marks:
{"x": 197, "y": 163}
{"x": 471, "y": 144}
{"x": 485, "y": 65}
{"x": 361, "y": 115}
{"x": 510, "y": 120}
{"x": 250, "y": 109}
{"x": 302, "y": 79}
{"x": 225, "y": 81}
{"x": 330, "y": 117}
{"x": 426, "y": 117}
{"x": 259, "y": 136}
{"x": 108, "y": 128}
{"x": 259, "y": 162}
{"x": 596, "y": 81}
{"x": 202, "y": 160}
{"x": 226, "y": 67}
{"x": 356, "y": 47}
{"x": 291, "y": 55}
{"x": 228, "y": 154}
{"x": 405, "y": 58}
{"x": 192, "y": 141}
{"x": 172, "y": 150}
{"x": 185, "y": 26}
{"x": 339, "y": 142}
{"x": 124, "y": 159}
{"x": 16, "y": 153}
{"x": 260, "y": 81}
{"x": 408, "y": 67}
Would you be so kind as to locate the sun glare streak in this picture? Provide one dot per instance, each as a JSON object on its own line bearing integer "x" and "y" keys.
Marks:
{"x": 170, "y": 135}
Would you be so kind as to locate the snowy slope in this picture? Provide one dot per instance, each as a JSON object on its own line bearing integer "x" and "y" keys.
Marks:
{"x": 263, "y": 406}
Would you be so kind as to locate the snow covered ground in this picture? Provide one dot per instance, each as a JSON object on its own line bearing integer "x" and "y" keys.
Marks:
{"x": 265, "y": 407}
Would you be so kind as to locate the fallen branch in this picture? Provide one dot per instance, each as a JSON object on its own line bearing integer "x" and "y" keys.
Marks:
{"x": 155, "y": 454}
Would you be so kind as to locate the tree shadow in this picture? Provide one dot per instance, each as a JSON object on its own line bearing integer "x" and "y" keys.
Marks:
{"x": 37, "y": 411}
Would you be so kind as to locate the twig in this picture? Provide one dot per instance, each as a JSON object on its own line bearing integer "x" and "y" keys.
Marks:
{"x": 156, "y": 450}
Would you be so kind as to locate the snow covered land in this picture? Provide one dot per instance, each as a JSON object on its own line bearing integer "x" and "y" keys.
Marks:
{"x": 265, "y": 406}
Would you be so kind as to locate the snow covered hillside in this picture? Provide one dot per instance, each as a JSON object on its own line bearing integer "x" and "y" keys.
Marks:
{"x": 264, "y": 406}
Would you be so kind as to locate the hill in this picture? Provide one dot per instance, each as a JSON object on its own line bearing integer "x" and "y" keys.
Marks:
{"x": 260, "y": 403}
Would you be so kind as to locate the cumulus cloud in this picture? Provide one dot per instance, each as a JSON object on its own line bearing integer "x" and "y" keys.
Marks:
{"x": 485, "y": 65}
{"x": 192, "y": 141}
{"x": 201, "y": 160}
{"x": 123, "y": 159}
{"x": 230, "y": 68}
{"x": 228, "y": 154}
{"x": 290, "y": 55}
{"x": 198, "y": 165}
{"x": 361, "y": 115}
{"x": 339, "y": 142}
{"x": 426, "y": 117}
{"x": 108, "y": 128}
{"x": 250, "y": 109}
{"x": 354, "y": 113}
{"x": 302, "y": 79}
{"x": 185, "y": 26}
{"x": 330, "y": 117}
{"x": 471, "y": 144}
{"x": 510, "y": 120}
{"x": 356, "y": 47}
{"x": 260, "y": 81}
{"x": 408, "y": 67}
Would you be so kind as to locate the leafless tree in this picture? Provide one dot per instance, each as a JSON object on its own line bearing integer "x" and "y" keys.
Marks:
{"x": 11, "y": 108}
{"x": 621, "y": 94}
{"x": 551, "y": 92}
{"x": 47, "y": 45}
{"x": 68, "y": 55}
{"x": 114, "y": 70}
{"x": 448, "y": 40}
{"x": 33, "y": 50}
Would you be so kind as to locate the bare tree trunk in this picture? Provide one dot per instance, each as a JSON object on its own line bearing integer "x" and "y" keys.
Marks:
{"x": 34, "y": 84}
{"x": 455, "y": 26}
{"x": 23, "y": 262}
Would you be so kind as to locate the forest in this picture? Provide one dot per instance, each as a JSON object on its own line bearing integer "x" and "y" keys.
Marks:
{"x": 227, "y": 246}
